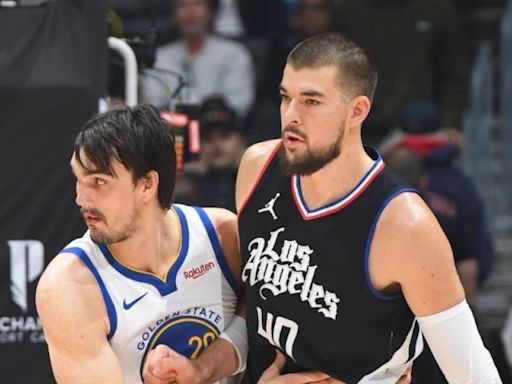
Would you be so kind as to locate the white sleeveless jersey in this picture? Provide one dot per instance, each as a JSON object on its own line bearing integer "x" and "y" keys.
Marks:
{"x": 186, "y": 311}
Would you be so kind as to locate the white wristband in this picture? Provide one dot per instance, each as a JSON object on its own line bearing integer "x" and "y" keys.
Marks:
{"x": 236, "y": 334}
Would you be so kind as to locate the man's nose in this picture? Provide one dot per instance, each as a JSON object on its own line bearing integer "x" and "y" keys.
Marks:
{"x": 82, "y": 196}
{"x": 291, "y": 113}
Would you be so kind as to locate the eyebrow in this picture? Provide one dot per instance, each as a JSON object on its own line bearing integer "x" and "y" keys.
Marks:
{"x": 88, "y": 172}
{"x": 305, "y": 93}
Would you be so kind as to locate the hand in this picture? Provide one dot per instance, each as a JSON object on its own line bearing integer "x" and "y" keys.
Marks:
{"x": 165, "y": 366}
{"x": 272, "y": 375}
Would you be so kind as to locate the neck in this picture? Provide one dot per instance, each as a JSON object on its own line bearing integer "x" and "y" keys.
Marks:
{"x": 155, "y": 245}
{"x": 338, "y": 177}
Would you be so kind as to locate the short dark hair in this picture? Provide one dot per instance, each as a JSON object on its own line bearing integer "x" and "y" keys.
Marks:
{"x": 356, "y": 69}
{"x": 136, "y": 137}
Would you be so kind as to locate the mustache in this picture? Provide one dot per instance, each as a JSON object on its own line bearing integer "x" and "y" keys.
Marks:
{"x": 296, "y": 131}
{"x": 92, "y": 211}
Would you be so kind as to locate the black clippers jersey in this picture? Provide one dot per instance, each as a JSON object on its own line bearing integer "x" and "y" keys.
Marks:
{"x": 307, "y": 281}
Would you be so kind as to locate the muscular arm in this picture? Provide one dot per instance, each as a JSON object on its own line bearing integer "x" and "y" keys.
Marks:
{"x": 410, "y": 250}
{"x": 72, "y": 310}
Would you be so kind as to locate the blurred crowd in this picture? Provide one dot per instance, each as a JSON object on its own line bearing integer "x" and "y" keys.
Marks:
{"x": 228, "y": 55}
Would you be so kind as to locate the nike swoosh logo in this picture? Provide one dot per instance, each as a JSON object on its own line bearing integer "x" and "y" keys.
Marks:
{"x": 132, "y": 303}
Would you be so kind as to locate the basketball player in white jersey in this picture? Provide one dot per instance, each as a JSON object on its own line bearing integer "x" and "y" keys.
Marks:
{"x": 146, "y": 273}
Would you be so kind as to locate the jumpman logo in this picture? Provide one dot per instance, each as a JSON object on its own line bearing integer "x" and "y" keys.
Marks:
{"x": 269, "y": 207}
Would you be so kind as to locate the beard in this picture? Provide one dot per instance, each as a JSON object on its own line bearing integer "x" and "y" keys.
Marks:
{"x": 311, "y": 161}
{"x": 102, "y": 237}
{"x": 115, "y": 236}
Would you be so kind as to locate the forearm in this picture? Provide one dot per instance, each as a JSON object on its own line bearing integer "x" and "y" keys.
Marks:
{"x": 228, "y": 354}
{"x": 72, "y": 368}
{"x": 217, "y": 361}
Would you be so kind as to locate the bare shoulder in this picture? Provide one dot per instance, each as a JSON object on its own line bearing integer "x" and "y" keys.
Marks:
{"x": 67, "y": 294}
{"x": 407, "y": 212}
{"x": 261, "y": 150}
{"x": 407, "y": 225}
{"x": 251, "y": 165}
{"x": 226, "y": 226}
{"x": 220, "y": 216}
{"x": 410, "y": 248}
{"x": 65, "y": 270}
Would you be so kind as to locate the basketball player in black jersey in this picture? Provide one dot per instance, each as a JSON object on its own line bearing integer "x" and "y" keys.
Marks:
{"x": 344, "y": 265}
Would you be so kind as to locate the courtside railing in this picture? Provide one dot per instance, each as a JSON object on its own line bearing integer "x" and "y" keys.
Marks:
{"x": 130, "y": 65}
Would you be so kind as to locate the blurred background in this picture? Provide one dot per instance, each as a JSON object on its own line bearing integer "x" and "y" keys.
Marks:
{"x": 442, "y": 119}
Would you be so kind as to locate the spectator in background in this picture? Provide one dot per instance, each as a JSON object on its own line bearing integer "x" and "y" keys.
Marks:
{"x": 208, "y": 64}
{"x": 311, "y": 17}
{"x": 223, "y": 147}
{"x": 263, "y": 17}
{"x": 420, "y": 53}
{"x": 420, "y": 130}
{"x": 212, "y": 181}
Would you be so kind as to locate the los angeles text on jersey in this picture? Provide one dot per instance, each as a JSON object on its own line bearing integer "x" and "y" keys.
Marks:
{"x": 287, "y": 271}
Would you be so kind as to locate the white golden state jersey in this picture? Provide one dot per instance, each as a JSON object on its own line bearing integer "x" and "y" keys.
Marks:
{"x": 187, "y": 311}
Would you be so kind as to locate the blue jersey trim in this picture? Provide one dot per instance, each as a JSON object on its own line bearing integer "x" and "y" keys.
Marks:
{"x": 166, "y": 286}
{"x": 377, "y": 162}
{"x": 373, "y": 290}
{"x": 217, "y": 248}
{"x": 111, "y": 311}
{"x": 185, "y": 239}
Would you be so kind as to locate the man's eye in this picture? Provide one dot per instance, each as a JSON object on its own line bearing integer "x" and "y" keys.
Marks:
{"x": 312, "y": 102}
{"x": 284, "y": 97}
{"x": 99, "y": 181}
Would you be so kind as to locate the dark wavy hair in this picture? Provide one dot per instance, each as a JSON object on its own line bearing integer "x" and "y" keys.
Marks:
{"x": 136, "y": 137}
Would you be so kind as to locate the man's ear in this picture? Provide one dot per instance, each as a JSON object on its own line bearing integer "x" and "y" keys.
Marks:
{"x": 359, "y": 110}
{"x": 149, "y": 185}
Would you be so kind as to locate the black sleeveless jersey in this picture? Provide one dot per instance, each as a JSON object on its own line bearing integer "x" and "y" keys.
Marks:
{"x": 307, "y": 281}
